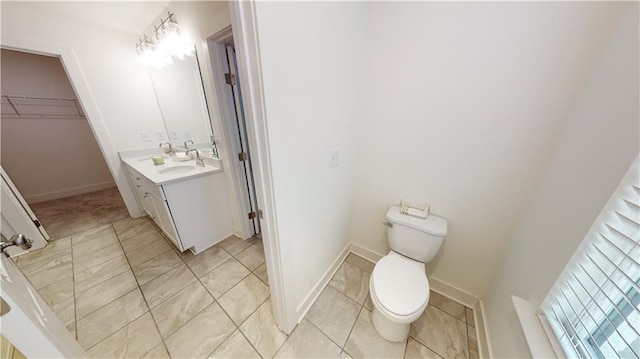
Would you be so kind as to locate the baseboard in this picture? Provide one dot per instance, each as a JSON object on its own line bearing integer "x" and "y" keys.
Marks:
{"x": 306, "y": 304}
{"x": 450, "y": 291}
{"x": 222, "y": 238}
{"x": 453, "y": 292}
{"x": 435, "y": 284}
{"x": 482, "y": 333}
{"x": 365, "y": 253}
{"x": 68, "y": 192}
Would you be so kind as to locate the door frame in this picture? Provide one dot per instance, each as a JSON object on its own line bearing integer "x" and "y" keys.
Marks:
{"x": 241, "y": 180}
{"x": 243, "y": 135}
{"x": 281, "y": 274}
{"x": 79, "y": 83}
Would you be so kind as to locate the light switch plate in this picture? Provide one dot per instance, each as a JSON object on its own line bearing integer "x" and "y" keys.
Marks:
{"x": 161, "y": 136}
{"x": 187, "y": 134}
{"x": 174, "y": 135}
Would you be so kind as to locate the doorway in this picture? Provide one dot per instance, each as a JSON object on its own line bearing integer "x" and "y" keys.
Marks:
{"x": 49, "y": 151}
{"x": 225, "y": 73}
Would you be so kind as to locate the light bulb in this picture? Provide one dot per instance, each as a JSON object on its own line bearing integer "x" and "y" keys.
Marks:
{"x": 169, "y": 44}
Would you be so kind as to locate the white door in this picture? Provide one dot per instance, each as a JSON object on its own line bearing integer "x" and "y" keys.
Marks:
{"x": 236, "y": 95}
{"x": 28, "y": 323}
{"x": 19, "y": 216}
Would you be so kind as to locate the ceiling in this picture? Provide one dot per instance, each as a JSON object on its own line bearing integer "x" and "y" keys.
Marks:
{"x": 127, "y": 16}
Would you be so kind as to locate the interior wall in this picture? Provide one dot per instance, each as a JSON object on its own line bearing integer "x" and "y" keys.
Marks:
{"x": 120, "y": 86}
{"x": 200, "y": 20}
{"x": 597, "y": 146}
{"x": 461, "y": 105}
{"x": 311, "y": 55}
{"x": 101, "y": 63}
{"x": 111, "y": 82}
{"x": 62, "y": 148}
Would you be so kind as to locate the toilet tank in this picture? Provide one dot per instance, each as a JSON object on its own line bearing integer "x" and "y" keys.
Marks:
{"x": 416, "y": 238}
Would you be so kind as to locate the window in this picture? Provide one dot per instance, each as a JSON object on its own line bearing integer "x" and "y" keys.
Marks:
{"x": 594, "y": 307}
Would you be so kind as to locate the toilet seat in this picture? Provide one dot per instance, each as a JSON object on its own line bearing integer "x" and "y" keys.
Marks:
{"x": 399, "y": 287}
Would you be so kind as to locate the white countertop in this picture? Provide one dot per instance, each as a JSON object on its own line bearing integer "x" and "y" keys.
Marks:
{"x": 173, "y": 169}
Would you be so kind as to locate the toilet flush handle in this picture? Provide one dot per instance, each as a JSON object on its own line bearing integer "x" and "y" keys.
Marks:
{"x": 388, "y": 224}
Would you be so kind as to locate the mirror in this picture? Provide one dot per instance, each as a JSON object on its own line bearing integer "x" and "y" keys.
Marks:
{"x": 180, "y": 94}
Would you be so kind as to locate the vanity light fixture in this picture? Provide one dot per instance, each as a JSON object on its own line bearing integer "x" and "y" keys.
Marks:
{"x": 167, "y": 43}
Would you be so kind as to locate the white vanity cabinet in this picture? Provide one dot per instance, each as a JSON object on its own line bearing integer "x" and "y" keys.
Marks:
{"x": 152, "y": 200}
{"x": 192, "y": 212}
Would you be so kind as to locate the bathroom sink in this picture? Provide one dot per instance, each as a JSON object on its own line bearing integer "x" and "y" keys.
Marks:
{"x": 177, "y": 169}
{"x": 173, "y": 170}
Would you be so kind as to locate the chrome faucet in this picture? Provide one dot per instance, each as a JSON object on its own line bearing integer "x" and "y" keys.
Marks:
{"x": 169, "y": 144}
{"x": 186, "y": 146}
{"x": 199, "y": 161}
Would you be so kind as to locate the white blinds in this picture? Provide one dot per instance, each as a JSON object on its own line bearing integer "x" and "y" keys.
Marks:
{"x": 594, "y": 307}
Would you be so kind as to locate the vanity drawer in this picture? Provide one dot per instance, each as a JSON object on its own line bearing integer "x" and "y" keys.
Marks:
{"x": 134, "y": 175}
{"x": 144, "y": 185}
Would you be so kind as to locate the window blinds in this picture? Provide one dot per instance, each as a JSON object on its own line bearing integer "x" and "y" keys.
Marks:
{"x": 594, "y": 307}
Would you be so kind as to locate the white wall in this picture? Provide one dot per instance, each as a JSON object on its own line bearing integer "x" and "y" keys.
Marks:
{"x": 63, "y": 148}
{"x": 596, "y": 148}
{"x": 200, "y": 20}
{"x": 120, "y": 86}
{"x": 312, "y": 56}
{"x": 115, "y": 88}
{"x": 461, "y": 105}
{"x": 101, "y": 63}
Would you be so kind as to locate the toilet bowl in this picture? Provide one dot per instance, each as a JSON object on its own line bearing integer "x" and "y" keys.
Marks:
{"x": 399, "y": 286}
{"x": 399, "y": 292}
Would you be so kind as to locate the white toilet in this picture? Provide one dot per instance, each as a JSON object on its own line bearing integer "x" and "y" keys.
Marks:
{"x": 399, "y": 287}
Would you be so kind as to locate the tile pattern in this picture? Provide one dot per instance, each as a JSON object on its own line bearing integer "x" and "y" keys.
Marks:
{"x": 244, "y": 298}
{"x": 307, "y": 341}
{"x": 66, "y": 216}
{"x": 124, "y": 291}
{"x": 442, "y": 333}
{"x": 334, "y": 313}
{"x": 352, "y": 282}
{"x": 261, "y": 331}
{"x": 201, "y": 335}
{"x": 365, "y": 342}
{"x": 176, "y": 311}
{"x": 342, "y": 313}
{"x": 236, "y": 346}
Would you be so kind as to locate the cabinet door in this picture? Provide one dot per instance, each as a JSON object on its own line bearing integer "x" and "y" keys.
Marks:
{"x": 148, "y": 205}
{"x": 166, "y": 220}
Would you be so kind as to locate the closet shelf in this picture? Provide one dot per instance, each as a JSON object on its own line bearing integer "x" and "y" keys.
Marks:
{"x": 40, "y": 107}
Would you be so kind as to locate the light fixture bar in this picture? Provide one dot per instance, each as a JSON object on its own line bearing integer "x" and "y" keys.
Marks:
{"x": 166, "y": 44}
{"x": 163, "y": 21}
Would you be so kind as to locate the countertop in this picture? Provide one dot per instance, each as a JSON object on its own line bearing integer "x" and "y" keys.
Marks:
{"x": 173, "y": 170}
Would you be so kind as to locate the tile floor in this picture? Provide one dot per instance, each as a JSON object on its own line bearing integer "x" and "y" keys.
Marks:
{"x": 124, "y": 291}
{"x": 62, "y": 217}
{"x": 341, "y": 316}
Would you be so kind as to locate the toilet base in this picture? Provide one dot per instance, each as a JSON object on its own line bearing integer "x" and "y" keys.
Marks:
{"x": 391, "y": 331}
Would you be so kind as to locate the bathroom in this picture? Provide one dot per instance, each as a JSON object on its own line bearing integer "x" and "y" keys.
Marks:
{"x": 489, "y": 125}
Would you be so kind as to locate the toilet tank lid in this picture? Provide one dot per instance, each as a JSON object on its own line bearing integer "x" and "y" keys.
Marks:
{"x": 433, "y": 225}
